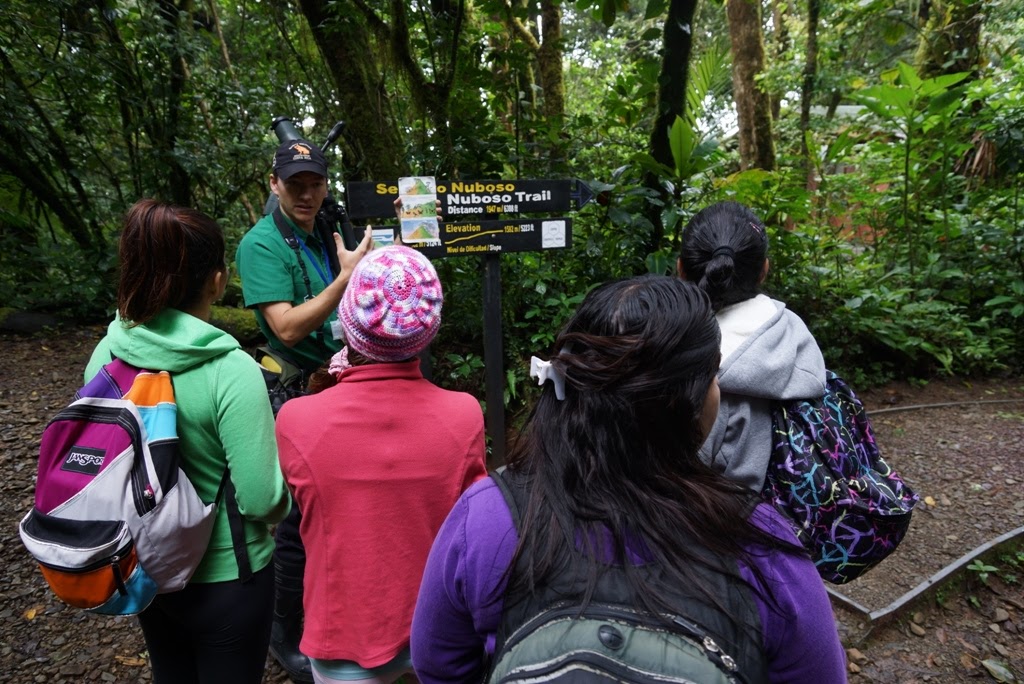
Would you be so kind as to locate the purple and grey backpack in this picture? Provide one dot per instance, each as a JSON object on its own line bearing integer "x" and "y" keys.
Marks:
{"x": 848, "y": 507}
{"x": 116, "y": 521}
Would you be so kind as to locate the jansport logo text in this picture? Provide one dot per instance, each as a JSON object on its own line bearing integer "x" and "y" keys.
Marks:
{"x": 84, "y": 460}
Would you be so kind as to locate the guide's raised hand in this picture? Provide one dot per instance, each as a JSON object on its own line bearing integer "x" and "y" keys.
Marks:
{"x": 349, "y": 258}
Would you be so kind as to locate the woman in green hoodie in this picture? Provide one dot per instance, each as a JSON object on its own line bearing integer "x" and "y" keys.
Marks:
{"x": 217, "y": 629}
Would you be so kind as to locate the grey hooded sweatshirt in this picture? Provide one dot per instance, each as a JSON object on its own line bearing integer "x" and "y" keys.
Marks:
{"x": 769, "y": 355}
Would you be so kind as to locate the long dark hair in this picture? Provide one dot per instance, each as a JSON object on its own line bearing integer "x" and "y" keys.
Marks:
{"x": 167, "y": 254}
{"x": 618, "y": 455}
{"x": 724, "y": 248}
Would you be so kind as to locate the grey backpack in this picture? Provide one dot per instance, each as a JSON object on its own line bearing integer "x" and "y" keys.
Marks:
{"x": 606, "y": 642}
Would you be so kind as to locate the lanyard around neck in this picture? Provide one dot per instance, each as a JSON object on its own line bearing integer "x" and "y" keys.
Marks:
{"x": 326, "y": 277}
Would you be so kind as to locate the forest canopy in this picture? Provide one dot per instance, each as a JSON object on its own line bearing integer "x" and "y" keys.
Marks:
{"x": 880, "y": 141}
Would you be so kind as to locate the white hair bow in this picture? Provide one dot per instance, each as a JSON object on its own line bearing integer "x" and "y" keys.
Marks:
{"x": 544, "y": 371}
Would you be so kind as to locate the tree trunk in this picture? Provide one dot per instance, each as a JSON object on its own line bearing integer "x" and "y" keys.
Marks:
{"x": 950, "y": 38}
{"x": 675, "y": 68}
{"x": 343, "y": 39}
{"x": 547, "y": 53}
{"x": 781, "y": 45}
{"x": 807, "y": 87}
{"x": 549, "y": 60}
{"x": 753, "y": 106}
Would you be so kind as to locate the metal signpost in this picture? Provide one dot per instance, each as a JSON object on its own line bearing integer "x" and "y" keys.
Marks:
{"x": 471, "y": 225}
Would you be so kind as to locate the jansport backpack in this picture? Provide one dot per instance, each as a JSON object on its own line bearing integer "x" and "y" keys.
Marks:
{"x": 116, "y": 521}
{"x": 605, "y": 642}
{"x": 849, "y": 508}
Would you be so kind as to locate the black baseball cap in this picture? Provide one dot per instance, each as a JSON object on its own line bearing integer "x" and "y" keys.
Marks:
{"x": 296, "y": 156}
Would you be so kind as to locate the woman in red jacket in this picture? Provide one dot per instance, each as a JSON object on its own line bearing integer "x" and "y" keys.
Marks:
{"x": 375, "y": 462}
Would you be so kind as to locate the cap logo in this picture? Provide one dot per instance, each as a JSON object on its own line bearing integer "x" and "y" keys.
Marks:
{"x": 301, "y": 150}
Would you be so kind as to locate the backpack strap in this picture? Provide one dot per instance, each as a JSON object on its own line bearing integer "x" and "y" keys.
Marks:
{"x": 498, "y": 476}
{"x": 237, "y": 525}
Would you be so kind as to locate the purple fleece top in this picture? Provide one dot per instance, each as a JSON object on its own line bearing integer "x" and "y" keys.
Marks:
{"x": 455, "y": 620}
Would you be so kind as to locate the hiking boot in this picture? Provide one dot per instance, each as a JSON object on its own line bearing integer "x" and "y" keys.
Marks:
{"x": 286, "y": 631}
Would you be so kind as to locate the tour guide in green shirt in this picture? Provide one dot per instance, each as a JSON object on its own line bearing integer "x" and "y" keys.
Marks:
{"x": 296, "y": 294}
{"x": 296, "y": 321}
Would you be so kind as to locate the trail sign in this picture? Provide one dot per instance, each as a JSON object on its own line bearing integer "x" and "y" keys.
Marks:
{"x": 484, "y": 199}
{"x": 476, "y": 206}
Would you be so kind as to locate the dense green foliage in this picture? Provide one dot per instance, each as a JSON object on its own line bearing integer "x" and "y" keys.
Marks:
{"x": 903, "y": 250}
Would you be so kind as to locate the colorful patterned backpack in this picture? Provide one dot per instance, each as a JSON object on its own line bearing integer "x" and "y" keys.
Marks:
{"x": 849, "y": 508}
{"x": 116, "y": 521}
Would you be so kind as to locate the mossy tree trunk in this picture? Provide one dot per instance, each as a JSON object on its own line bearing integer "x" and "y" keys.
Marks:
{"x": 809, "y": 77}
{"x": 753, "y": 105}
{"x": 951, "y": 37}
{"x": 343, "y": 37}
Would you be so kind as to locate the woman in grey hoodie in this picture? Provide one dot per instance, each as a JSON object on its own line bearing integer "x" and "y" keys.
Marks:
{"x": 768, "y": 354}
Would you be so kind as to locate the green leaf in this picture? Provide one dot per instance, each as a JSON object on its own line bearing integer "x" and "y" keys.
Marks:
{"x": 908, "y": 76}
{"x": 648, "y": 163}
{"x": 655, "y": 8}
{"x": 942, "y": 83}
{"x": 998, "y": 671}
{"x": 710, "y": 74}
{"x": 619, "y": 216}
{"x": 660, "y": 263}
{"x": 888, "y": 102}
{"x": 608, "y": 12}
{"x": 681, "y": 141}
{"x": 946, "y": 101}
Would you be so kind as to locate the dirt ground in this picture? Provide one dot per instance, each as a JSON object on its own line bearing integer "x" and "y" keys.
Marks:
{"x": 966, "y": 461}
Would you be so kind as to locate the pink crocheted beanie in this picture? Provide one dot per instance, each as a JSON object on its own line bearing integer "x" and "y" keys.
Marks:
{"x": 391, "y": 309}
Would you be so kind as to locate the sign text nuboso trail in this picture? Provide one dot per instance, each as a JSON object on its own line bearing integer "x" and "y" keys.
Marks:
{"x": 474, "y": 199}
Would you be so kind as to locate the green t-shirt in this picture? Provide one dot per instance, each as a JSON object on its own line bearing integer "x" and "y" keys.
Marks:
{"x": 270, "y": 272}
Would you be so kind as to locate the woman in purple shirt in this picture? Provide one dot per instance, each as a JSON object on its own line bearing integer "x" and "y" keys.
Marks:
{"x": 612, "y": 487}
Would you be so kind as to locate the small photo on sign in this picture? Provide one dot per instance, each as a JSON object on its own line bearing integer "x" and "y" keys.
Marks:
{"x": 420, "y": 230}
{"x": 552, "y": 234}
{"x": 414, "y": 207}
{"x": 383, "y": 237}
{"x": 416, "y": 185}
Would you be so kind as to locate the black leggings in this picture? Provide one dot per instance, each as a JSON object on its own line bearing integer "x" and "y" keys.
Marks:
{"x": 211, "y": 633}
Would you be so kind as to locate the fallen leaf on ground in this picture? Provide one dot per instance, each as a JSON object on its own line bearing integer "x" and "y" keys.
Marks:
{"x": 998, "y": 671}
{"x": 968, "y": 645}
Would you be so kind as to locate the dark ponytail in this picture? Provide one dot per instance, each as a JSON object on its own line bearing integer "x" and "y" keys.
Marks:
{"x": 724, "y": 248}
